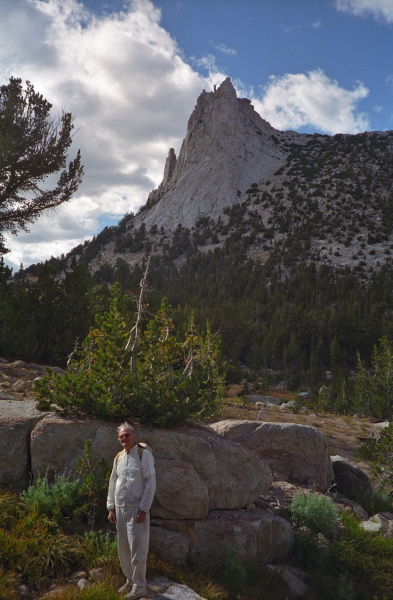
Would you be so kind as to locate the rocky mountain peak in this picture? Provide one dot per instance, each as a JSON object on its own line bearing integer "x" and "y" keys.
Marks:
{"x": 228, "y": 146}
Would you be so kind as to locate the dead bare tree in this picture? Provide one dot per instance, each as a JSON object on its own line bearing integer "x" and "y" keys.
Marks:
{"x": 134, "y": 337}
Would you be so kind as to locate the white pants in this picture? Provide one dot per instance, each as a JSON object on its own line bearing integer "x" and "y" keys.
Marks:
{"x": 132, "y": 543}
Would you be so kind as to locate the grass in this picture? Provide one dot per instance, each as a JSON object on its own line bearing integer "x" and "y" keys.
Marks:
{"x": 356, "y": 566}
{"x": 96, "y": 591}
{"x": 35, "y": 551}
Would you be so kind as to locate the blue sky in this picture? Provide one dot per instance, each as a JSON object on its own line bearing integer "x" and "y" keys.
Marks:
{"x": 130, "y": 72}
{"x": 261, "y": 38}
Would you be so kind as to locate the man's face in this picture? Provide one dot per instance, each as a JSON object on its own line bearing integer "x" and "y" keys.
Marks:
{"x": 127, "y": 438}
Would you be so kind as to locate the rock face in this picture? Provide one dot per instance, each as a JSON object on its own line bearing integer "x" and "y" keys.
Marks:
{"x": 169, "y": 545}
{"x": 181, "y": 493}
{"x": 200, "y": 471}
{"x": 295, "y": 453}
{"x": 15, "y": 429}
{"x": 348, "y": 476}
{"x": 252, "y": 534}
{"x": 228, "y": 147}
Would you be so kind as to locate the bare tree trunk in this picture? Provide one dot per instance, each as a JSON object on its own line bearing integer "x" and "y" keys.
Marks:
{"x": 134, "y": 337}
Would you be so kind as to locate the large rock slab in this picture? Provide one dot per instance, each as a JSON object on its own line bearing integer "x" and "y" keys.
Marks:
{"x": 57, "y": 443}
{"x": 17, "y": 420}
{"x": 348, "y": 476}
{"x": 161, "y": 588}
{"x": 181, "y": 493}
{"x": 234, "y": 429}
{"x": 233, "y": 476}
{"x": 295, "y": 453}
{"x": 169, "y": 546}
{"x": 255, "y": 535}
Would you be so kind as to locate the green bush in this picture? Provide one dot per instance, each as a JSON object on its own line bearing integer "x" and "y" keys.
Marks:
{"x": 315, "y": 511}
{"x": 93, "y": 479}
{"x": 56, "y": 501}
{"x": 171, "y": 379}
{"x": 356, "y": 566}
{"x": 64, "y": 500}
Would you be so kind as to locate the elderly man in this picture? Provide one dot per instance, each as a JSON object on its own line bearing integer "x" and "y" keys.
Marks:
{"x": 131, "y": 490}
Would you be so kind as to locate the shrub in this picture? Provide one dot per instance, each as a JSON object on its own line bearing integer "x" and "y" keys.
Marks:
{"x": 57, "y": 501}
{"x": 65, "y": 500}
{"x": 356, "y": 566}
{"x": 93, "y": 478}
{"x": 171, "y": 380}
{"x": 315, "y": 511}
{"x": 247, "y": 581}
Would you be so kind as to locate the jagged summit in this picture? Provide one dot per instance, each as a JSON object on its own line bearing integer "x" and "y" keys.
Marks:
{"x": 228, "y": 146}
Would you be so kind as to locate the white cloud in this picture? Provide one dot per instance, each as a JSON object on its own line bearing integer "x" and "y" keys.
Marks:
{"x": 131, "y": 92}
{"x": 289, "y": 28}
{"x": 223, "y": 48}
{"x": 128, "y": 87}
{"x": 381, "y": 10}
{"x": 312, "y": 99}
{"x": 316, "y": 24}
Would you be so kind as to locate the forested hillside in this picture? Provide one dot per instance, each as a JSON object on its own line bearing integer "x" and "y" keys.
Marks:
{"x": 294, "y": 271}
{"x": 300, "y": 322}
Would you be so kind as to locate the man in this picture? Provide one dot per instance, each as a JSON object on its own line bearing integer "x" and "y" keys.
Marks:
{"x": 131, "y": 490}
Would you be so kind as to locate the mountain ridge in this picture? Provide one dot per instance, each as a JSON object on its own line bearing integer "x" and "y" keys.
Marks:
{"x": 286, "y": 197}
{"x": 227, "y": 147}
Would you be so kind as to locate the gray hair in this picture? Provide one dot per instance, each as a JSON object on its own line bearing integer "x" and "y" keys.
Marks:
{"x": 125, "y": 425}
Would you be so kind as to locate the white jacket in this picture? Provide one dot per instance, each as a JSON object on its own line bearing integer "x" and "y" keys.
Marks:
{"x": 133, "y": 480}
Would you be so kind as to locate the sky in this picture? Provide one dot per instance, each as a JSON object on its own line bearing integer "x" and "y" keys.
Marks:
{"x": 130, "y": 72}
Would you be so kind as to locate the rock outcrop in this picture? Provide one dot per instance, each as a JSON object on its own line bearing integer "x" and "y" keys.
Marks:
{"x": 228, "y": 147}
{"x": 348, "y": 476}
{"x": 252, "y": 534}
{"x": 200, "y": 471}
{"x": 295, "y": 453}
{"x": 17, "y": 420}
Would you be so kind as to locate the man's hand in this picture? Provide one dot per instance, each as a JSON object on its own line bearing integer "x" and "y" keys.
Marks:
{"x": 112, "y": 516}
{"x": 141, "y": 516}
